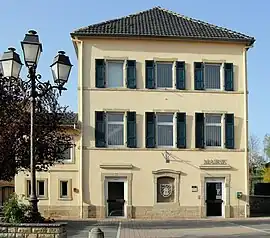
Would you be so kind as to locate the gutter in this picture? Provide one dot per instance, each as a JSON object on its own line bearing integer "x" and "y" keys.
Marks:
{"x": 79, "y": 52}
{"x": 247, "y": 213}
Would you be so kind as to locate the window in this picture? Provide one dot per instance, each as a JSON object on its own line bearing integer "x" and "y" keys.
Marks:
{"x": 165, "y": 129}
{"x": 165, "y": 189}
{"x": 69, "y": 154}
{"x": 41, "y": 188}
{"x": 212, "y": 76}
{"x": 213, "y": 130}
{"x": 164, "y": 77}
{"x": 115, "y": 75}
{"x": 115, "y": 129}
{"x": 63, "y": 189}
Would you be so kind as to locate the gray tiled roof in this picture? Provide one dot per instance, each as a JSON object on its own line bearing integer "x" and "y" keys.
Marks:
{"x": 159, "y": 22}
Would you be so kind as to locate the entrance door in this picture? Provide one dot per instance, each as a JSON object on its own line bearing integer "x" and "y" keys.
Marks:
{"x": 116, "y": 198}
{"x": 214, "y": 198}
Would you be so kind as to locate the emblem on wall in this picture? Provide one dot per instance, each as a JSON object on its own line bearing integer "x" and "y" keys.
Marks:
{"x": 165, "y": 190}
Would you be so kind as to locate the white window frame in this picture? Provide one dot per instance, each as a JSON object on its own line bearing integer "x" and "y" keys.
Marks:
{"x": 173, "y": 123}
{"x": 173, "y": 74}
{"x": 38, "y": 184}
{"x": 72, "y": 155}
{"x": 107, "y": 72}
{"x": 116, "y": 123}
{"x": 60, "y": 191}
{"x": 222, "y": 124}
{"x": 28, "y": 188}
{"x": 221, "y": 76}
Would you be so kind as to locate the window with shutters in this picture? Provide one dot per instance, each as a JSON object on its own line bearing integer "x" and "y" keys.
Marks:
{"x": 212, "y": 76}
{"x": 115, "y": 129}
{"x": 164, "y": 74}
{"x": 213, "y": 130}
{"x": 165, "y": 129}
{"x": 115, "y": 74}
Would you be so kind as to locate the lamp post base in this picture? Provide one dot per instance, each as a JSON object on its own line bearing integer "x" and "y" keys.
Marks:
{"x": 35, "y": 216}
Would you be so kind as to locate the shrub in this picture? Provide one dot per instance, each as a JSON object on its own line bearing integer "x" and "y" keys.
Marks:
{"x": 16, "y": 211}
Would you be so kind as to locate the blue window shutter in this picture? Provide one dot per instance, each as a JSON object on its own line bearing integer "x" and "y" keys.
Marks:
{"x": 181, "y": 130}
{"x": 229, "y": 131}
{"x": 100, "y": 73}
{"x": 180, "y": 75}
{"x": 150, "y": 74}
{"x": 199, "y": 130}
{"x": 198, "y": 76}
{"x": 228, "y": 77}
{"x": 131, "y": 130}
{"x": 100, "y": 129}
{"x": 131, "y": 74}
{"x": 150, "y": 130}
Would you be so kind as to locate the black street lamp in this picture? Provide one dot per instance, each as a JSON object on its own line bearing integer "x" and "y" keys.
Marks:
{"x": 11, "y": 67}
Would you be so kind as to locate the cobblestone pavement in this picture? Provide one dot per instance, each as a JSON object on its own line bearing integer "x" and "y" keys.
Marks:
{"x": 172, "y": 228}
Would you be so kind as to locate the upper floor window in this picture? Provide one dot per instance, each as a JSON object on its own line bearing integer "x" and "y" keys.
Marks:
{"x": 67, "y": 153}
{"x": 162, "y": 130}
{"x": 213, "y": 76}
{"x": 214, "y": 130}
{"x": 115, "y": 129}
{"x": 165, "y": 135}
{"x": 165, "y": 74}
{"x": 115, "y": 73}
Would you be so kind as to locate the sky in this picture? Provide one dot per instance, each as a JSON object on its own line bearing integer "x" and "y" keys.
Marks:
{"x": 55, "y": 19}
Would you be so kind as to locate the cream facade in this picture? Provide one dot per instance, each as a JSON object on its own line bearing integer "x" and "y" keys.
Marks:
{"x": 159, "y": 135}
{"x": 140, "y": 167}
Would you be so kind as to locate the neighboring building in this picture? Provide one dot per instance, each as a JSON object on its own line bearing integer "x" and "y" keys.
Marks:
{"x": 56, "y": 189}
{"x": 163, "y": 115}
{"x": 6, "y": 189}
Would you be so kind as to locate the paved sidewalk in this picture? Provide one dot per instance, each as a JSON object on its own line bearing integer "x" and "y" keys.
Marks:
{"x": 172, "y": 228}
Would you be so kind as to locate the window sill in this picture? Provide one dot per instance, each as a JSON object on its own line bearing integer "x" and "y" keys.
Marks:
{"x": 39, "y": 198}
{"x": 68, "y": 162}
{"x": 43, "y": 198}
{"x": 65, "y": 199}
{"x": 218, "y": 91}
{"x": 164, "y": 149}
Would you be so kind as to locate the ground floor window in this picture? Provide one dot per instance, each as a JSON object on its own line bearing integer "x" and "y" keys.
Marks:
{"x": 65, "y": 189}
{"x": 41, "y": 188}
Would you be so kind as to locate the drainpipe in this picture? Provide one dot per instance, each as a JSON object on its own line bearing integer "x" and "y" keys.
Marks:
{"x": 246, "y": 128}
{"x": 79, "y": 45}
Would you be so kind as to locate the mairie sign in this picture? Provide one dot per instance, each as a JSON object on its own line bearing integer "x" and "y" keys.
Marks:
{"x": 215, "y": 162}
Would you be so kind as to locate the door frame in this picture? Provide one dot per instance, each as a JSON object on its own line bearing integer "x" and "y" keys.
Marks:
{"x": 125, "y": 183}
{"x": 216, "y": 180}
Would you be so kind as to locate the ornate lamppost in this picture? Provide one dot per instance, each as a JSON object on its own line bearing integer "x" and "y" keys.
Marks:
{"x": 11, "y": 67}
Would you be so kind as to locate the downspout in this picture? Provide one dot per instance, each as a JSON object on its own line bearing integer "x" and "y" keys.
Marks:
{"x": 79, "y": 44}
{"x": 247, "y": 213}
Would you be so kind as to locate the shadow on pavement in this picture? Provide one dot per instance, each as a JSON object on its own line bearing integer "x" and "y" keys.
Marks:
{"x": 81, "y": 227}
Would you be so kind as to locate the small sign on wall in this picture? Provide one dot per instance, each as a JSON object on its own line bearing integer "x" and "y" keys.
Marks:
{"x": 194, "y": 188}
